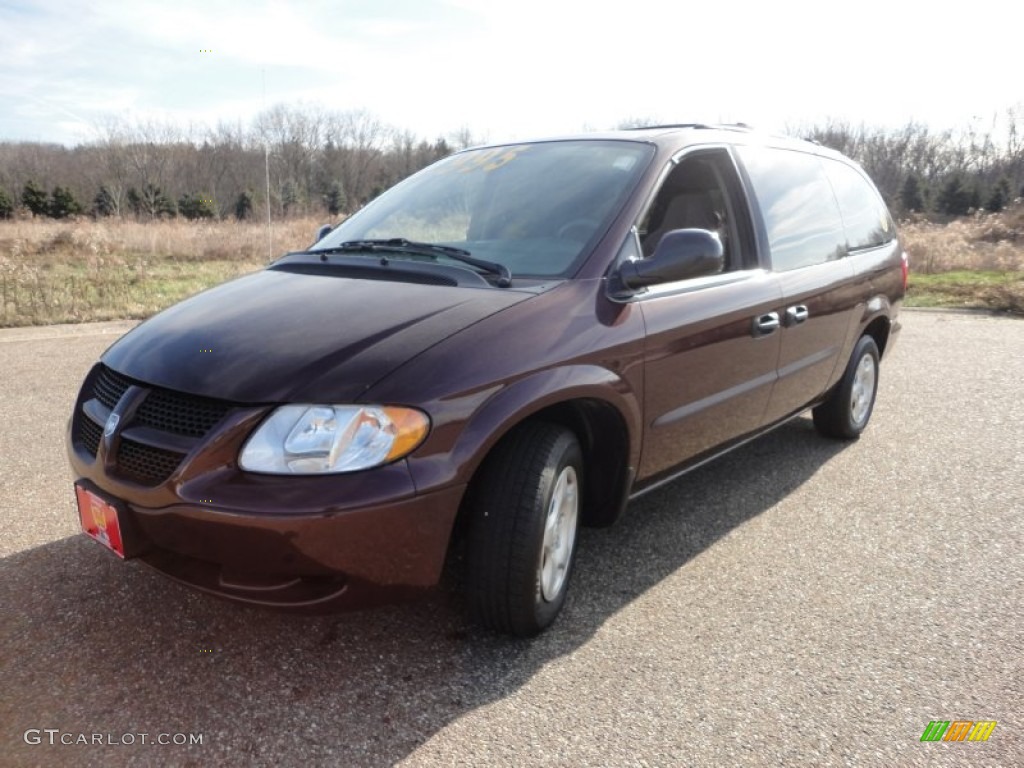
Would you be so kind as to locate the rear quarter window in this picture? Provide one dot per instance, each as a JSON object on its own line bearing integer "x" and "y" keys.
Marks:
{"x": 800, "y": 213}
{"x": 865, "y": 217}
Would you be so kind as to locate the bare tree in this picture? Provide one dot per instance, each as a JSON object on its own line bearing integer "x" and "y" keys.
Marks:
{"x": 364, "y": 137}
{"x": 319, "y": 158}
{"x": 295, "y": 137}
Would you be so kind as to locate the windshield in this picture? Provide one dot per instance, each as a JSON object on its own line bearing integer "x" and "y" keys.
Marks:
{"x": 535, "y": 208}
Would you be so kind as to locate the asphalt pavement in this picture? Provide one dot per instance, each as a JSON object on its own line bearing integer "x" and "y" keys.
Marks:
{"x": 799, "y": 602}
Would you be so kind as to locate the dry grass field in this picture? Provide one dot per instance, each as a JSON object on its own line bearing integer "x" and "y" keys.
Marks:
{"x": 970, "y": 262}
{"x": 84, "y": 270}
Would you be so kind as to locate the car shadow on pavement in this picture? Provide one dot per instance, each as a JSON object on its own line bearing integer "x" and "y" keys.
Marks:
{"x": 91, "y": 645}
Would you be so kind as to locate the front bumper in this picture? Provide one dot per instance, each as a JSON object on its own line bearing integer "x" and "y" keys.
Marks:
{"x": 167, "y": 462}
{"x": 330, "y": 561}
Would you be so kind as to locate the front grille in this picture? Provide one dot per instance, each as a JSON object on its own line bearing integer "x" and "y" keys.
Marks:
{"x": 89, "y": 434}
{"x": 109, "y": 387}
{"x": 145, "y": 464}
{"x": 163, "y": 410}
{"x": 180, "y": 413}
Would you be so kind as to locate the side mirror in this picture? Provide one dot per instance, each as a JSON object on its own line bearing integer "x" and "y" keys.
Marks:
{"x": 681, "y": 254}
{"x": 323, "y": 232}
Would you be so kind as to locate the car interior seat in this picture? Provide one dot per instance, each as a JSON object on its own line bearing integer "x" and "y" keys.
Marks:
{"x": 691, "y": 199}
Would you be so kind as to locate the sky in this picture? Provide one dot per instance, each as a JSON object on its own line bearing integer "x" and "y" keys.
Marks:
{"x": 507, "y": 70}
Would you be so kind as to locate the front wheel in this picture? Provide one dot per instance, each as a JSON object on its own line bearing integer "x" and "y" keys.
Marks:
{"x": 846, "y": 412}
{"x": 524, "y": 516}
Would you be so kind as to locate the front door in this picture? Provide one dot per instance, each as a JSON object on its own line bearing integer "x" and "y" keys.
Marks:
{"x": 709, "y": 373}
{"x": 712, "y": 342}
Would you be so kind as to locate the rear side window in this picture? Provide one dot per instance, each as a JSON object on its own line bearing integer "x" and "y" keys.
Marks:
{"x": 865, "y": 216}
{"x": 799, "y": 209}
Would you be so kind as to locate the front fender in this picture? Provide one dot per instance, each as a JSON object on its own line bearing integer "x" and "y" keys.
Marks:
{"x": 466, "y": 428}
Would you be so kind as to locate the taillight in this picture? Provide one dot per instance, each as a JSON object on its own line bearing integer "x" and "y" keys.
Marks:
{"x": 906, "y": 270}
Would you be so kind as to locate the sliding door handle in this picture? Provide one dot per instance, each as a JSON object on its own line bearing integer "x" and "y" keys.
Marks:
{"x": 796, "y": 314}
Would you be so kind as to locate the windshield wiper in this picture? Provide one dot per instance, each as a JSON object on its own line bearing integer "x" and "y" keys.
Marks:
{"x": 432, "y": 250}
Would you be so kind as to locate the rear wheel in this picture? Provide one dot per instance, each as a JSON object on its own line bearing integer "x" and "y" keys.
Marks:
{"x": 848, "y": 409}
{"x": 524, "y": 515}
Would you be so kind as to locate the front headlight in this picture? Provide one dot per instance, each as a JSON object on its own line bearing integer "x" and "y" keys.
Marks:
{"x": 317, "y": 439}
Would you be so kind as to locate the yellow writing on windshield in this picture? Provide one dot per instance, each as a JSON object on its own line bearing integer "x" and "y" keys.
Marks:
{"x": 484, "y": 159}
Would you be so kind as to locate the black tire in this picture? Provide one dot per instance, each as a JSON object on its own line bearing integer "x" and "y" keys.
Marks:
{"x": 514, "y": 582}
{"x": 848, "y": 409}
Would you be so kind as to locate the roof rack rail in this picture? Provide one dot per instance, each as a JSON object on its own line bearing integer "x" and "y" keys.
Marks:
{"x": 707, "y": 126}
{"x": 667, "y": 125}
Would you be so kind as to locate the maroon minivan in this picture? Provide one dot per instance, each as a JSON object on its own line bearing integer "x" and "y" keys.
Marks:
{"x": 511, "y": 343}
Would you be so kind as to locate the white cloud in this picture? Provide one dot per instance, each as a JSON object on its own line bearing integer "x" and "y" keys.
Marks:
{"x": 507, "y": 70}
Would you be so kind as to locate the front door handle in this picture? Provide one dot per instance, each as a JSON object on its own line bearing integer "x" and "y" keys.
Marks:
{"x": 796, "y": 314}
{"x": 765, "y": 324}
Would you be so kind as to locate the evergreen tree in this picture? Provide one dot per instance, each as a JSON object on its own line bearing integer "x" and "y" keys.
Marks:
{"x": 441, "y": 149}
{"x": 35, "y": 199}
{"x": 134, "y": 200}
{"x": 6, "y": 205}
{"x": 194, "y": 207}
{"x": 63, "y": 203}
{"x": 335, "y": 199}
{"x": 975, "y": 198}
{"x": 103, "y": 204}
{"x": 1000, "y": 196}
{"x": 910, "y": 196}
{"x": 156, "y": 203}
{"x": 954, "y": 199}
{"x": 289, "y": 196}
{"x": 243, "y": 205}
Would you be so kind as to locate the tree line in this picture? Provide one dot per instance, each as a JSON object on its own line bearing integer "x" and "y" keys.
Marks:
{"x": 317, "y": 161}
{"x": 948, "y": 172}
{"x": 328, "y": 163}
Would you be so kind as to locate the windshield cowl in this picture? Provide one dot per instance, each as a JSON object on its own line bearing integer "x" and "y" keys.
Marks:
{"x": 429, "y": 250}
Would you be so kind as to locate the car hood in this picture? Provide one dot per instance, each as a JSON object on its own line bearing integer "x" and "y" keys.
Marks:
{"x": 276, "y": 336}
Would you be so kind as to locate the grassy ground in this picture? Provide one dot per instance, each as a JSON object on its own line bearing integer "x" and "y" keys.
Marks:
{"x": 971, "y": 262}
{"x": 81, "y": 271}
{"x": 999, "y": 291}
